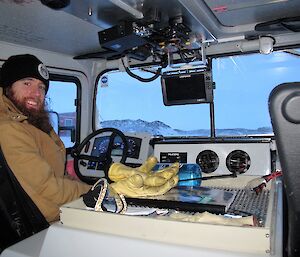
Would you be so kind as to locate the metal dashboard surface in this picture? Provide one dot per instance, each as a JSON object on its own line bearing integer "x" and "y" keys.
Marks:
{"x": 255, "y": 152}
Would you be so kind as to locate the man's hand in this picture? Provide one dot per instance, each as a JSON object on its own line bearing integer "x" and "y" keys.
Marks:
{"x": 142, "y": 181}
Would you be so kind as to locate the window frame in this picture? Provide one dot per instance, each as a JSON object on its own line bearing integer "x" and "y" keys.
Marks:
{"x": 76, "y": 81}
{"x": 212, "y": 112}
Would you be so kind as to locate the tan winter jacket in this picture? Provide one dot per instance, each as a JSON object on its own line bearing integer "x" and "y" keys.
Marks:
{"x": 37, "y": 160}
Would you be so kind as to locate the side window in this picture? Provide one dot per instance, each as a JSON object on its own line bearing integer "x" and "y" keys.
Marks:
{"x": 61, "y": 100}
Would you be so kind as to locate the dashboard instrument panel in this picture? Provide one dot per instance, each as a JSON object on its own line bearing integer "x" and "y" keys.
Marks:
{"x": 249, "y": 157}
{"x": 139, "y": 149}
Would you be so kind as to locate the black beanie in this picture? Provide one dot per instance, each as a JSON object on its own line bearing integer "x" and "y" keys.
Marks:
{"x": 23, "y": 66}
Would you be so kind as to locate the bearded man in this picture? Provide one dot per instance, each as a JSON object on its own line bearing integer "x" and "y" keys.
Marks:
{"x": 32, "y": 149}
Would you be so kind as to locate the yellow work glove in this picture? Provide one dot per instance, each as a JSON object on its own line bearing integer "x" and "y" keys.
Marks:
{"x": 142, "y": 181}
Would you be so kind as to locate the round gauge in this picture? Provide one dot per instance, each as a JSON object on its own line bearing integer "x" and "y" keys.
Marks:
{"x": 238, "y": 161}
{"x": 208, "y": 161}
{"x": 100, "y": 146}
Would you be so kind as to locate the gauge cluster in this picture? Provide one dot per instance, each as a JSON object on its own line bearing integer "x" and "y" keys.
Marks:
{"x": 101, "y": 144}
{"x": 249, "y": 157}
{"x": 139, "y": 149}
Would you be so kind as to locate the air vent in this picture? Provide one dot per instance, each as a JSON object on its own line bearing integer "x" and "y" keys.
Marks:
{"x": 238, "y": 161}
{"x": 208, "y": 161}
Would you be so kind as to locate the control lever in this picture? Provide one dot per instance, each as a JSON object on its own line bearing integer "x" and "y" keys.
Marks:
{"x": 233, "y": 175}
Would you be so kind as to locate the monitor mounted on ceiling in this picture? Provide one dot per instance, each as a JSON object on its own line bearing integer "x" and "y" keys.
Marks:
{"x": 187, "y": 87}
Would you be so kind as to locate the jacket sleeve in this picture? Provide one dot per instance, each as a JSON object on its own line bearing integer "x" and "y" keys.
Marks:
{"x": 34, "y": 173}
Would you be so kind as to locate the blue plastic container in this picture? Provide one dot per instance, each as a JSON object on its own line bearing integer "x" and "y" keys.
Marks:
{"x": 186, "y": 171}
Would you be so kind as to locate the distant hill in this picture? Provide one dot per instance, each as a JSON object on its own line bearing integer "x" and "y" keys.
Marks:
{"x": 160, "y": 128}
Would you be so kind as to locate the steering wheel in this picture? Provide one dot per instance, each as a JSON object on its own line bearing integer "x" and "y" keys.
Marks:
{"x": 87, "y": 156}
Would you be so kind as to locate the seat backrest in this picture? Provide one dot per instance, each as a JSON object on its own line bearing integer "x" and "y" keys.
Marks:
{"x": 19, "y": 216}
{"x": 284, "y": 107}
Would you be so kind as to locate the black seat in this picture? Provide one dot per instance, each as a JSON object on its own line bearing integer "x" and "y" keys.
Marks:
{"x": 19, "y": 216}
{"x": 284, "y": 107}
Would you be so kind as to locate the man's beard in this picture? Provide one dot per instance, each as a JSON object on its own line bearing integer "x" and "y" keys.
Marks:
{"x": 38, "y": 118}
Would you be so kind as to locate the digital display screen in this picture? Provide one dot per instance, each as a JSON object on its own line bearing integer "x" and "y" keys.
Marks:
{"x": 187, "y": 88}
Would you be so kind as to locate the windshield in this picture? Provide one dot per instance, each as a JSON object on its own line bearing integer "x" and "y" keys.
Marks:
{"x": 242, "y": 87}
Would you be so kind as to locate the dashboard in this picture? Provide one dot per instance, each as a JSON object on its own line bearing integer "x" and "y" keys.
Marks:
{"x": 134, "y": 146}
{"x": 221, "y": 156}
{"x": 139, "y": 149}
{"x": 215, "y": 157}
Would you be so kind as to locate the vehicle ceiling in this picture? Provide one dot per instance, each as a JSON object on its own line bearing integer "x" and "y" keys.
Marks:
{"x": 73, "y": 30}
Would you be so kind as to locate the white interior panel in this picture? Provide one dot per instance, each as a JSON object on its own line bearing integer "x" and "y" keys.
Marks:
{"x": 259, "y": 153}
